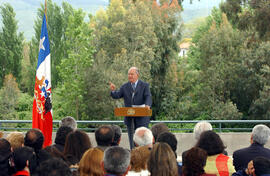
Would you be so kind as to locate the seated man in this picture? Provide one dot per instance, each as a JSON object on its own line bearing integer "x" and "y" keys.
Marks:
{"x": 116, "y": 161}
{"x": 69, "y": 122}
{"x": 143, "y": 137}
{"x": 259, "y": 137}
{"x": 104, "y": 137}
{"x": 159, "y": 128}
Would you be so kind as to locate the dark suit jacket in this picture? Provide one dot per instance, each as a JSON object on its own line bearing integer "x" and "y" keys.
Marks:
{"x": 243, "y": 156}
{"x": 142, "y": 94}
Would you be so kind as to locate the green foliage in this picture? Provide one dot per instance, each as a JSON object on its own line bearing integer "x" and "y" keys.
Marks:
{"x": 9, "y": 94}
{"x": 249, "y": 14}
{"x": 73, "y": 69}
{"x": 57, "y": 22}
{"x": 10, "y": 45}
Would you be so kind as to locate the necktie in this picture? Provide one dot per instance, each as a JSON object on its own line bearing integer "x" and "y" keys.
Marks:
{"x": 133, "y": 86}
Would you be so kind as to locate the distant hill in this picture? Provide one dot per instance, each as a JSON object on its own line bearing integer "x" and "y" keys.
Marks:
{"x": 26, "y": 10}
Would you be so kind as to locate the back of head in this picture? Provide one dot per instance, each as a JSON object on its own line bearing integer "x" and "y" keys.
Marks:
{"x": 195, "y": 161}
{"x": 69, "y": 122}
{"x": 104, "y": 135}
{"x": 61, "y": 135}
{"x": 5, "y": 153}
{"x": 143, "y": 136}
{"x": 159, "y": 128}
{"x": 21, "y": 156}
{"x": 16, "y": 139}
{"x": 201, "y": 127}
{"x": 162, "y": 161}
{"x": 261, "y": 166}
{"x": 54, "y": 167}
{"x": 168, "y": 138}
{"x": 116, "y": 160}
{"x": 260, "y": 134}
{"x": 117, "y": 134}
{"x": 211, "y": 143}
{"x": 34, "y": 138}
{"x": 139, "y": 158}
{"x": 77, "y": 143}
{"x": 95, "y": 157}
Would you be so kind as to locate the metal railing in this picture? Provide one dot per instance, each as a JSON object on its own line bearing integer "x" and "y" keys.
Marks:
{"x": 219, "y": 125}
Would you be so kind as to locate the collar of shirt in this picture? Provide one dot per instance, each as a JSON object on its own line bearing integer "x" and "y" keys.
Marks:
{"x": 136, "y": 83}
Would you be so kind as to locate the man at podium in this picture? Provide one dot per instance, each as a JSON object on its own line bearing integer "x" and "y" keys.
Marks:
{"x": 135, "y": 93}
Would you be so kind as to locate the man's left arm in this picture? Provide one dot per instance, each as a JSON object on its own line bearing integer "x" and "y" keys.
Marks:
{"x": 147, "y": 96}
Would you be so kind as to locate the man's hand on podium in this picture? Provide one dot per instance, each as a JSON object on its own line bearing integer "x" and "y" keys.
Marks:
{"x": 112, "y": 86}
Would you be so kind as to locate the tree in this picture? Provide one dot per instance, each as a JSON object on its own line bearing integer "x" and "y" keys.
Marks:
{"x": 124, "y": 37}
{"x": 9, "y": 95}
{"x": 249, "y": 14}
{"x": 73, "y": 68}
{"x": 11, "y": 45}
{"x": 57, "y": 20}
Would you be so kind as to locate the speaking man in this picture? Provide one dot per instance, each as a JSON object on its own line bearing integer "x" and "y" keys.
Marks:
{"x": 135, "y": 93}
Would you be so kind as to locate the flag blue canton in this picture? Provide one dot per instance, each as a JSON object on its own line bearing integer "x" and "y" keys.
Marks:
{"x": 44, "y": 46}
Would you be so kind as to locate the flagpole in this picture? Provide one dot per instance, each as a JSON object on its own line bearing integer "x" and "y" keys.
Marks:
{"x": 46, "y": 9}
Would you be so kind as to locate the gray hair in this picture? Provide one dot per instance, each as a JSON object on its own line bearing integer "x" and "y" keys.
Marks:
{"x": 116, "y": 160}
{"x": 136, "y": 70}
{"x": 201, "y": 127}
{"x": 143, "y": 136}
{"x": 69, "y": 122}
{"x": 260, "y": 134}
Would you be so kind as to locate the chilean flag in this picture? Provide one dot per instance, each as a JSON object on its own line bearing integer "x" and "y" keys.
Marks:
{"x": 42, "y": 107}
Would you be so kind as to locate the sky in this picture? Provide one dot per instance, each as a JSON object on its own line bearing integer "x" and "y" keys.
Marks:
{"x": 26, "y": 10}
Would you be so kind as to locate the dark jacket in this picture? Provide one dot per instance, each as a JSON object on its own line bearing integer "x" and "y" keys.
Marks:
{"x": 243, "y": 156}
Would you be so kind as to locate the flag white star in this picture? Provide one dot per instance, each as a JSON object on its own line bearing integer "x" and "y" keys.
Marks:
{"x": 41, "y": 46}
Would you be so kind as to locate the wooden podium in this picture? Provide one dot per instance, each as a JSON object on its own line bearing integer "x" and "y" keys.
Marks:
{"x": 133, "y": 111}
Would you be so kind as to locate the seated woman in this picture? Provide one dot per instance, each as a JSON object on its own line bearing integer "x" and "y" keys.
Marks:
{"x": 194, "y": 163}
{"x": 216, "y": 163}
{"x": 162, "y": 161}
{"x": 138, "y": 161}
{"x": 90, "y": 163}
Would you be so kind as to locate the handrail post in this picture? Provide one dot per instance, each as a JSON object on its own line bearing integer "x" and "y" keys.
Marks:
{"x": 220, "y": 127}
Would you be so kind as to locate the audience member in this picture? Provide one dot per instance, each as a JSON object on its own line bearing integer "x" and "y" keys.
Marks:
{"x": 195, "y": 162}
{"x": 1, "y": 134}
{"x": 261, "y": 166}
{"x": 170, "y": 139}
{"x": 143, "y": 137}
{"x": 116, "y": 161}
{"x": 16, "y": 139}
{"x": 162, "y": 161}
{"x": 198, "y": 129}
{"x": 5, "y": 153}
{"x": 259, "y": 137}
{"x": 34, "y": 139}
{"x": 104, "y": 137}
{"x": 77, "y": 143}
{"x": 24, "y": 161}
{"x": 201, "y": 127}
{"x": 138, "y": 161}
{"x": 69, "y": 122}
{"x": 54, "y": 152}
{"x": 61, "y": 136}
{"x": 159, "y": 128}
{"x": 90, "y": 163}
{"x": 117, "y": 135}
{"x": 54, "y": 167}
{"x": 217, "y": 163}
